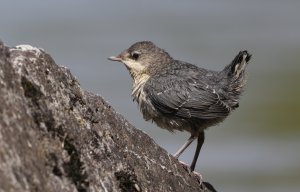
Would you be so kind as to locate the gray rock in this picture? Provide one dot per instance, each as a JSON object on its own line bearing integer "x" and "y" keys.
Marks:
{"x": 54, "y": 136}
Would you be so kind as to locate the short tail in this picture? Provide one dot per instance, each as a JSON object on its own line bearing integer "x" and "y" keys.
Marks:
{"x": 237, "y": 67}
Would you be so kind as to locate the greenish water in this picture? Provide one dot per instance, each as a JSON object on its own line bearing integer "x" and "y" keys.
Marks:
{"x": 277, "y": 111}
{"x": 257, "y": 147}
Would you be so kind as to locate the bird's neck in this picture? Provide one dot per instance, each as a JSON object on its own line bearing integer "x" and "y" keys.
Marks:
{"x": 139, "y": 81}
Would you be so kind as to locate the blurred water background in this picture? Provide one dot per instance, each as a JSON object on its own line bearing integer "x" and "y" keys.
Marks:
{"x": 258, "y": 147}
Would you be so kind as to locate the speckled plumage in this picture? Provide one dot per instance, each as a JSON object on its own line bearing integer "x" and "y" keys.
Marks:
{"x": 180, "y": 96}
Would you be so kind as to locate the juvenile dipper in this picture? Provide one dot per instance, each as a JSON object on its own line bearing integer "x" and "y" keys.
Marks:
{"x": 177, "y": 95}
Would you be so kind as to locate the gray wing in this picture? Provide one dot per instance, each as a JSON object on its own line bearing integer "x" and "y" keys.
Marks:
{"x": 186, "y": 98}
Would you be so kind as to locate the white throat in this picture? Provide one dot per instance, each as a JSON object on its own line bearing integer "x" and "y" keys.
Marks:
{"x": 138, "y": 87}
{"x": 137, "y": 72}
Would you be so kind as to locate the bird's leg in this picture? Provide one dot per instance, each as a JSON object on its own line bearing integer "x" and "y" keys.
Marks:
{"x": 199, "y": 145}
{"x": 184, "y": 146}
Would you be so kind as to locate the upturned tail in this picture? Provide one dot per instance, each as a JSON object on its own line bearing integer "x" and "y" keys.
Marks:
{"x": 236, "y": 68}
{"x": 236, "y": 76}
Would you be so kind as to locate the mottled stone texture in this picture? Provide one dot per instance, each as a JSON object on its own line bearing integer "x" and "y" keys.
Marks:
{"x": 54, "y": 136}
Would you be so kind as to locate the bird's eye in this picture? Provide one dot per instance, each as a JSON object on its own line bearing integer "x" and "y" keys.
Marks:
{"x": 135, "y": 55}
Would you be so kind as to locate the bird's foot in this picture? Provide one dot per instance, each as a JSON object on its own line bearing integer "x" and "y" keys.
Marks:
{"x": 185, "y": 166}
{"x": 188, "y": 169}
{"x": 198, "y": 176}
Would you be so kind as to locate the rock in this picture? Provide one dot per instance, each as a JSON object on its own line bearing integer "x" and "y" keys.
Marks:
{"x": 54, "y": 136}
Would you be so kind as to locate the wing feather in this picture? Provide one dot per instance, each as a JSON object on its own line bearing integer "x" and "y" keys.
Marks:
{"x": 184, "y": 99}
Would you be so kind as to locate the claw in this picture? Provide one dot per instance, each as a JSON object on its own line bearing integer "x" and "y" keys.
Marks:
{"x": 185, "y": 166}
{"x": 198, "y": 176}
{"x": 188, "y": 169}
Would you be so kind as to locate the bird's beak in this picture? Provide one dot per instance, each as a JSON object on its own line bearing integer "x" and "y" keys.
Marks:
{"x": 119, "y": 57}
{"x": 115, "y": 58}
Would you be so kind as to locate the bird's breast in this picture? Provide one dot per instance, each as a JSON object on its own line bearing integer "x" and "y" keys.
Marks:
{"x": 139, "y": 82}
{"x": 139, "y": 95}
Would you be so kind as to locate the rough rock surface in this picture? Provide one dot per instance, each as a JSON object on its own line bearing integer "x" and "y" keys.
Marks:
{"x": 54, "y": 136}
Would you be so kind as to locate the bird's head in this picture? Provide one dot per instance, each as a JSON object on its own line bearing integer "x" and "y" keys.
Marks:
{"x": 143, "y": 58}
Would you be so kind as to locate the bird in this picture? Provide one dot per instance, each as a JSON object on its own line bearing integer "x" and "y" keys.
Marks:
{"x": 177, "y": 95}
